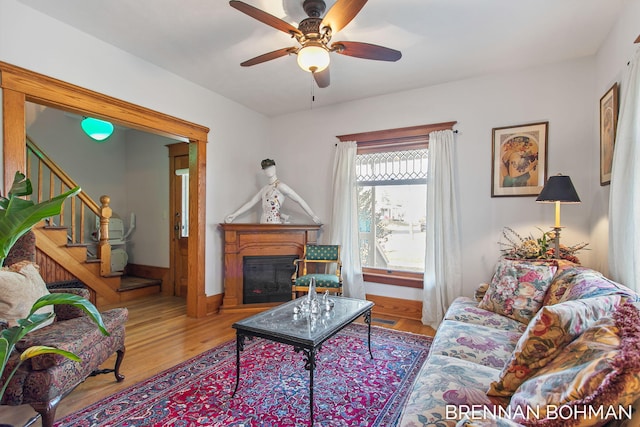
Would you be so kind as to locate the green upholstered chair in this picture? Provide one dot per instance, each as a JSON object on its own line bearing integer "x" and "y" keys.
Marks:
{"x": 318, "y": 261}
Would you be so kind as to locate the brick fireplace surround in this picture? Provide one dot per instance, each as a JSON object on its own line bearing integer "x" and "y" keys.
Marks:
{"x": 250, "y": 240}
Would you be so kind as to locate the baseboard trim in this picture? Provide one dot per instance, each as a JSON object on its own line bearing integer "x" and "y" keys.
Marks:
{"x": 396, "y": 307}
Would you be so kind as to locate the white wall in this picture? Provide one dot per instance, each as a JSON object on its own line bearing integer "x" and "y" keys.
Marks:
{"x": 561, "y": 94}
{"x": 98, "y": 168}
{"x": 57, "y": 50}
{"x": 147, "y": 180}
{"x": 611, "y": 65}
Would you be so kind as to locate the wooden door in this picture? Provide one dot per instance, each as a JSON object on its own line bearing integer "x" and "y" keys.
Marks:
{"x": 179, "y": 200}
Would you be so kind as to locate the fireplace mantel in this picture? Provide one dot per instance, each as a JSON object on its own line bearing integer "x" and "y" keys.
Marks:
{"x": 242, "y": 240}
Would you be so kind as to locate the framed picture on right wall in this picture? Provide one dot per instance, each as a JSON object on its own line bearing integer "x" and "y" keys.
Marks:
{"x": 608, "y": 123}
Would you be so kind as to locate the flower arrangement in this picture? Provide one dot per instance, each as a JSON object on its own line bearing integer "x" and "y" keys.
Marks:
{"x": 543, "y": 247}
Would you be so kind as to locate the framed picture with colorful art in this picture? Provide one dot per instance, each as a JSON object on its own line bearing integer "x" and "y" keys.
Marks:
{"x": 608, "y": 123}
{"x": 519, "y": 160}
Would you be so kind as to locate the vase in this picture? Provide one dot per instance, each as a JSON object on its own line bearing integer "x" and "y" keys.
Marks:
{"x": 313, "y": 295}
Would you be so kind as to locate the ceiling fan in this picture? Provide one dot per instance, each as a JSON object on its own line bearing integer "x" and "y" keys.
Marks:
{"x": 314, "y": 34}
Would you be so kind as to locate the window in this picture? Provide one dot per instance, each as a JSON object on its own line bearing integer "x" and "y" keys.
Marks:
{"x": 392, "y": 188}
{"x": 183, "y": 182}
{"x": 391, "y": 170}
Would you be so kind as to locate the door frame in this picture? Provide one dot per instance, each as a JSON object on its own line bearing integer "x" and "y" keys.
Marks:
{"x": 175, "y": 150}
{"x": 20, "y": 85}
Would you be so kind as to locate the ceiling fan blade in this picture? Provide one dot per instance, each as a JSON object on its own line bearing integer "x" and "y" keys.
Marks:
{"x": 265, "y": 17}
{"x": 366, "y": 51}
{"x": 341, "y": 13}
{"x": 269, "y": 56}
{"x": 322, "y": 78}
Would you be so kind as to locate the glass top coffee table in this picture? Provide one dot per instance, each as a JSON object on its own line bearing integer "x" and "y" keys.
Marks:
{"x": 305, "y": 331}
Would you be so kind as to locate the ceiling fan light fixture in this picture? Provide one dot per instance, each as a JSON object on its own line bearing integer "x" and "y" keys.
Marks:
{"x": 313, "y": 58}
{"x": 96, "y": 129}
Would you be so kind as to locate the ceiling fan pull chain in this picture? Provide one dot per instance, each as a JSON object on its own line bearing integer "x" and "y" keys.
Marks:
{"x": 313, "y": 91}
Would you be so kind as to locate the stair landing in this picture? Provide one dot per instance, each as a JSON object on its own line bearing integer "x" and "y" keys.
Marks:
{"x": 132, "y": 287}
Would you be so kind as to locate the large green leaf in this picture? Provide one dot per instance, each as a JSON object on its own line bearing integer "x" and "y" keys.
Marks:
{"x": 70, "y": 299}
{"x": 37, "y": 350}
{"x": 4, "y": 352}
{"x": 18, "y": 216}
{"x": 21, "y": 186}
{"x": 15, "y": 334}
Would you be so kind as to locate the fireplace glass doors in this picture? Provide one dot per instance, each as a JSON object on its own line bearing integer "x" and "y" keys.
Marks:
{"x": 267, "y": 278}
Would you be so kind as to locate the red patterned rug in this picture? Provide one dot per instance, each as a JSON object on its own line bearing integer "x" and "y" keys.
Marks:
{"x": 350, "y": 389}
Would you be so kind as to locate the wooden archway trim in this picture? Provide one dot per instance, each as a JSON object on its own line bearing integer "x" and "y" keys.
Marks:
{"x": 20, "y": 85}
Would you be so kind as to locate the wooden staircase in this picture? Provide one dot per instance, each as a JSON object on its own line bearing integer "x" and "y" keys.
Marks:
{"x": 116, "y": 288}
{"x": 64, "y": 247}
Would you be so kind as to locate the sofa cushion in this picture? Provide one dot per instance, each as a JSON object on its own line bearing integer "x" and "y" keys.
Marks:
{"x": 20, "y": 287}
{"x": 518, "y": 288}
{"x": 79, "y": 336}
{"x": 24, "y": 249}
{"x": 575, "y": 282}
{"x": 446, "y": 381}
{"x": 68, "y": 311}
{"x": 561, "y": 281}
{"x": 587, "y": 283}
{"x": 480, "y": 291}
{"x": 476, "y": 343}
{"x": 465, "y": 309}
{"x": 599, "y": 369}
{"x": 548, "y": 333}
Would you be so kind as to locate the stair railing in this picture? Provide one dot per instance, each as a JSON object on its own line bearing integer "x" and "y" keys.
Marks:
{"x": 46, "y": 174}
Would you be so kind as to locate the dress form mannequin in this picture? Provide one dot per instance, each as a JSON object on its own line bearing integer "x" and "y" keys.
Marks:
{"x": 273, "y": 196}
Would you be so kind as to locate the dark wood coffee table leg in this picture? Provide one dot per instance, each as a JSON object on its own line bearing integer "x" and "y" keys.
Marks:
{"x": 239, "y": 347}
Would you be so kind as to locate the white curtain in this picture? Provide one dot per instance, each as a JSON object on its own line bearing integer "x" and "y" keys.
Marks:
{"x": 344, "y": 218}
{"x": 442, "y": 271}
{"x": 624, "y": 201}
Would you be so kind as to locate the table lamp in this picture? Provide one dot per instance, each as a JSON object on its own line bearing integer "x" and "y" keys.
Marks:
{"x": 558, "y": 189}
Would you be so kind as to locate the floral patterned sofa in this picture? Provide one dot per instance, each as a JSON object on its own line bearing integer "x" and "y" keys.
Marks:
{"x": 548, "y": 343}
{"x": 44, "y": 380}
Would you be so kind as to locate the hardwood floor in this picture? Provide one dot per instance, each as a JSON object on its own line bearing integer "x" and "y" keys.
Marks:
{"x": 159, "y": 336}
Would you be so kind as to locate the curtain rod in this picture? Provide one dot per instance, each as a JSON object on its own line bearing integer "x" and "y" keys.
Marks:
{"x": 398, "y": 132}
{"x": 391, "y": 144}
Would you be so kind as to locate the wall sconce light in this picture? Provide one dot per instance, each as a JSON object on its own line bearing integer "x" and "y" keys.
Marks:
{"x": 313, "y": 57}
{"x": 96, "y": 129}
{"x": 558, "y": 189}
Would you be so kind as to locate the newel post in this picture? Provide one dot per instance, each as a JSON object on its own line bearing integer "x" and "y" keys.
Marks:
{"x": 104, "y": 248}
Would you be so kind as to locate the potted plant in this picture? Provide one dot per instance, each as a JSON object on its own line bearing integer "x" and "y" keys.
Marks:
{"x": 18, "y": 216}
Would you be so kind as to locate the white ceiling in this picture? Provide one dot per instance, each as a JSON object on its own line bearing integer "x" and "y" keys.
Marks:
{"x": 205, "y": 41}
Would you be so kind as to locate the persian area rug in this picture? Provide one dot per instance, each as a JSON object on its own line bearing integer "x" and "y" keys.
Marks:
{"x": 350, "y": 389}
